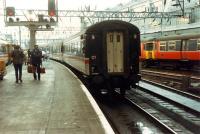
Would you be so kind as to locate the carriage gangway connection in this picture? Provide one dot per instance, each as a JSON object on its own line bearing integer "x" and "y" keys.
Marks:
{"x": 57, "y": 104}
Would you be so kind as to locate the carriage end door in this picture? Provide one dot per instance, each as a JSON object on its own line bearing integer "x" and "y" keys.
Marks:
{"x": 115, "y": 52}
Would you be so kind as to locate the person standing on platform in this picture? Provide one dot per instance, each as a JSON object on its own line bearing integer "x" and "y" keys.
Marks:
{"x": 36, "y": 61}
{"x": 18, "y": 59}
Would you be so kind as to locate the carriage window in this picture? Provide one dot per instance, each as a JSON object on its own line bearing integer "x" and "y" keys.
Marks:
{"x": 198, "y": 45}
{"x": 111, "y": 38}
{"x": 1, "y": 49}
{"x": 162, "y": 46}
{"x": 118, "y": 38}
{"x": 178, "y": 45}
{"x": 148, "y": 46}
{"x": 192, "y": 45}
{"x": 75, "y": 47}
{"x": 184, "y": 45}
{"x": 81, "y": 46}
{"x": 171, "y": 46}
{"x": 71, "y": 48}
{"x": 62, "y": 49}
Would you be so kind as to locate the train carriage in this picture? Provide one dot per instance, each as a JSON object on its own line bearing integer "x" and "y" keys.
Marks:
{"x": 107, "y": 53}
{"x": 5, "y": 49}
{"x": 175, "y": 51}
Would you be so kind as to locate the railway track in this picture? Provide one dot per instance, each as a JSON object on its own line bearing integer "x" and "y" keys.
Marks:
{"x": 179, "y": 113}
{"x": 127, "y": 118}
{"x": 141, "y": 109}
{"x": 184, "y": 81}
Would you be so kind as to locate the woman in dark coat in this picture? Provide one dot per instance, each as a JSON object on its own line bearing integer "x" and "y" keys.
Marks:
{"x": 18, "y": 59}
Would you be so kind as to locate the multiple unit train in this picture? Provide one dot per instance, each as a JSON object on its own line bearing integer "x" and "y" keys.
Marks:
{"x": 107, "y": 53}
{"x": 181, "y": 51}
{"x": 5, "y": 49}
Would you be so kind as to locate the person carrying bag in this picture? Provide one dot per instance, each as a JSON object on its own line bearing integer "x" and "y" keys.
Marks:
{"x": 18, "y": 59}
{"x": 36, "y": 61}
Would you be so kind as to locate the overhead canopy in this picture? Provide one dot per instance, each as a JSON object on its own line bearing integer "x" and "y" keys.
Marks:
{"x": 3, "y": 42}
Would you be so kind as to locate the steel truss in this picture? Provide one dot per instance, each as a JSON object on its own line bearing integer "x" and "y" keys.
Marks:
{"x": 101, "y": 14}
{"x": 116, "y": 14}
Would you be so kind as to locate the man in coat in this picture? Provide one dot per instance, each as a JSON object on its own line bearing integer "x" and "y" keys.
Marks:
{"x": 18, "y": 59}
{"x": 36, "y": 61}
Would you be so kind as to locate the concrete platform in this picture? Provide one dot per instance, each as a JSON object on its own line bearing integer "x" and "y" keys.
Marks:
{"x": 57, "y": 104}
{"x": 190, "y": 103}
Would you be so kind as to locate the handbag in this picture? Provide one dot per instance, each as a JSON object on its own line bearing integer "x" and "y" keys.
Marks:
{"x": 42, "y": 70}
{"x": 31, "y": 68}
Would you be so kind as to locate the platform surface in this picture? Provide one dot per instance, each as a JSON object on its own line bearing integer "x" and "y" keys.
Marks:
{"x": 184, "y": 100}
{"x": 54, "y": 105}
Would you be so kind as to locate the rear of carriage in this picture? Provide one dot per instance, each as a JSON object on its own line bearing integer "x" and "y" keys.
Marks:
{"x": 113, "y": 49}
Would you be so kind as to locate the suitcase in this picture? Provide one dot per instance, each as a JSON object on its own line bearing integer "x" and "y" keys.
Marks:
{"x": 31, "y": 69}
{"x": 42, "y": 70}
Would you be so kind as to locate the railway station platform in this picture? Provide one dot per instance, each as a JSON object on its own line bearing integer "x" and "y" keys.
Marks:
{"x": 57, "y": 104}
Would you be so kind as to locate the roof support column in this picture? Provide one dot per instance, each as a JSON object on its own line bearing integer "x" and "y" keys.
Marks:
{"x": 32, "y": 42}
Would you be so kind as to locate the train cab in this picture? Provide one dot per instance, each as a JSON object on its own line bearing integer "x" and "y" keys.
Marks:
{"x": 5, "y": 50}
{"x": 148, "y": 52}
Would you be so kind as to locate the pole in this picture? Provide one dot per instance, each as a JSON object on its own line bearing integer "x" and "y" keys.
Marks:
{"x": 19, "y": 36}
{"x": 183, "y": 8}
{"x": 32, "y": 37}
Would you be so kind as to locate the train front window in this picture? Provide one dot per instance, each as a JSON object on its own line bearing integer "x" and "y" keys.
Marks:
{"x": 148, "y": 46}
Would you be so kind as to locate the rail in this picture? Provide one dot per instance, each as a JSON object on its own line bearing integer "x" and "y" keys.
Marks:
{"x": 184, "y": 82}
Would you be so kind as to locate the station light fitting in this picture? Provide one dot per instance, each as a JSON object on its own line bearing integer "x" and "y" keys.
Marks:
{"x": 10, "y": 11}
{"x": 48, "y": 26}
{"x": 52, "y": 20}
{"x": 17, "y": 19}
{"x": 11, "y": 20}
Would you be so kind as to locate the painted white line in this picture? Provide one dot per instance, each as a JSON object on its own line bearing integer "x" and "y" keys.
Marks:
{"x": 108, "y": 129}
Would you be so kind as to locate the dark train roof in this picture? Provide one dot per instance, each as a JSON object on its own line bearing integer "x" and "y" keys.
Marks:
{"x": 112, "y": 24}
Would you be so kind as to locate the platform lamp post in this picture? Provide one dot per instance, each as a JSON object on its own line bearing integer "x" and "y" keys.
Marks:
{"x": 19, "y": 33}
